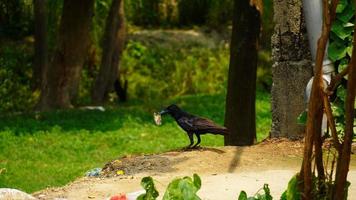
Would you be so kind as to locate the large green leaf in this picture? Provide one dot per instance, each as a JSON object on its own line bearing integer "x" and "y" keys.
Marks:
{"x": 302, "y": 118}
{"x": 341, "y": 93}
{"x": 347, "y": 13}
{"x": 342, "y": 29}
{"x": 292, "y": 191}
{"x": 343, "y": 64}
{"x": 183, "y": 189}
{"x": 243, "y": 195}
{"x": 151, "y": 192}
{"x": 341, "y": 6}
{"x": 349, "y": 50}
{"x": 197, "y": 181}
{"x": 336, "y": 51}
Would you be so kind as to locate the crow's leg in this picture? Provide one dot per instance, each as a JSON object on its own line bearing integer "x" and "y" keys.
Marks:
{"x": 198, "y": 142}
{"x": 190, "y": 135}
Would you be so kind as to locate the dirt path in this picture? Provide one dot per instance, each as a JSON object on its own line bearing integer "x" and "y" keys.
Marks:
{"x": 224, "y": 172}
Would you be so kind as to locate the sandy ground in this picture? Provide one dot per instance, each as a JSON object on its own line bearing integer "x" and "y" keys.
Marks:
{"x": 224, "y": 172}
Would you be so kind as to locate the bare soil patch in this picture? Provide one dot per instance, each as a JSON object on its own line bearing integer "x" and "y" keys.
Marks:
{"x": 225, "y": 171}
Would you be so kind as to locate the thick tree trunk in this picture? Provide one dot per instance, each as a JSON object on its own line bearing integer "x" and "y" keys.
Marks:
{"x": 114, "y": 39}
{"x": 240, "y": 99}
{"x": 41, "y": 46}
{"x": 72, "y": 45}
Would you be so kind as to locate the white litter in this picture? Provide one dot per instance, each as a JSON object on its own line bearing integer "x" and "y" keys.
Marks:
{"x": 14, "y": 194}
{"x": 100, "y": 108}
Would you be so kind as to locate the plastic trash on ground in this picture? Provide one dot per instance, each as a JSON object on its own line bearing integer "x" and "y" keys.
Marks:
{"x": 13, "y": 194}
{"x": 94, "y": 172}
{"x": 100, "y": 108}
{"x": 134, "y": 195}
{"x": 129, "y": 196}
{"x": 120, "y": 172}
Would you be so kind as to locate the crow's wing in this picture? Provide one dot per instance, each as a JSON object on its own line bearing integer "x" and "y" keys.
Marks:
{"x": 207, "y": 125}
{"x": 186, "y": 123}
{"x": 204, "y": 123}
{"x": 201, "y": 125}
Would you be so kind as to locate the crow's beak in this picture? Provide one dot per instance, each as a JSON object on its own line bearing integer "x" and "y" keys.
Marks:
{"x": 163, "y": 112}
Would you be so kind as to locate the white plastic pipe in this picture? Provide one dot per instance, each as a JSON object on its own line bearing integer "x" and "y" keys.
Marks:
{"x": 313, "y": 12}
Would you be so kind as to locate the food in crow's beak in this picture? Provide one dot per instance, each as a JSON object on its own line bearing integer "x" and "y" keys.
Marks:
{"x": 157, "y": 118}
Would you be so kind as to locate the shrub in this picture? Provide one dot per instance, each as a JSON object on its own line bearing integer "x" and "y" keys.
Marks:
{"x": 15, "y": 76}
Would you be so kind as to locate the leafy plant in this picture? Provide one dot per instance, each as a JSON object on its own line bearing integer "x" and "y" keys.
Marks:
{"x": 151, "y": 192}
{"x": 265, "y": 196}
{"x": 174, "y": 67}
{"x": 183, "y": 188}
{"x": 180, "y": 188}
{"x": 339, "y": 51}
{"x": 15, "y": 76}
{"x": 292, "y": 191}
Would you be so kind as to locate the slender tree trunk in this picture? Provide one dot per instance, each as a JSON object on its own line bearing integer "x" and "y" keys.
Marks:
{"x": 72, "y": 45}
{"x": 41, "y": 46}
{"x": 119, "y": 48}
{"x": 241, "y": 93}
{"x": 114, "y": 39}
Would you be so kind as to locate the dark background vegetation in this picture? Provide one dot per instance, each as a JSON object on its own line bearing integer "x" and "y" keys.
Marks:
{"x": 153, "y": 56}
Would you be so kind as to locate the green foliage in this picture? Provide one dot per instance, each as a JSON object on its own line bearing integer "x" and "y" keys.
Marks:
{"x": 267, "y": 24}
{"x": 180, "y": 188}
{"x": 339, "y": 51}
{"x": 174, "y": 66}
{"x": 169, "y": 13}
{"x": 292, "y": 191}
{"x": 243, "y": 196}
{"x": 265, "y": 196}
{"x": 16, "y": 18}
{"x": 320, "y": 190}
{"x": 194, "y": 11}
{"x": 220, "y": 13}
{"x": 151, "y": 192}
{"x": 341, "y": 32}
{"x": 15, "y": 76}
{"x": 149, "y": 13}
{"x": 38, "y": 150}
{"x": 302, "y": 118}
{"x": 55, "y": 8}
{"x": 183, "y": 188}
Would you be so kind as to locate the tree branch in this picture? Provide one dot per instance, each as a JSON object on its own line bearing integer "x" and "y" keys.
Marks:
{"x": 336, "y": 80}
{"x": 315, "y": 108}
{"x": 331, "y": 120}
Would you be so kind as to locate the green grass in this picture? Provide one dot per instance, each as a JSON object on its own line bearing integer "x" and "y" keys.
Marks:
{"x": 52, "y": 149}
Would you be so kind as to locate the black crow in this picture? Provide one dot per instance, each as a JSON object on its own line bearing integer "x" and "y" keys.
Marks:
{"x": 194, "y": 124}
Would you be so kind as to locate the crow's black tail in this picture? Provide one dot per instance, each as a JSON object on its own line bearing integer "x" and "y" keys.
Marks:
{"x": 219, "y": 131}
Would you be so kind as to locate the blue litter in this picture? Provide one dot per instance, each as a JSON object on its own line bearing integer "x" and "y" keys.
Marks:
{"x": 94, "y": 172}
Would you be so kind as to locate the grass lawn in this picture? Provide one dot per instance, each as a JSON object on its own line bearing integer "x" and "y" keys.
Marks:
{"x": 52, "y": 149}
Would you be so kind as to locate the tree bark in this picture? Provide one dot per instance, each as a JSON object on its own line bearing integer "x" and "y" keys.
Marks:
{"x": 69, "y": 56}
{"x": 41, "y": 45}
{"x": 241, "y": 92}
{"x": 315, "y": 110}
{"x": 343, "y": 162}
{"x": 114, "y": 40}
